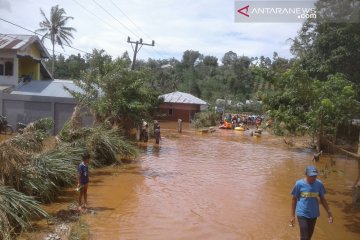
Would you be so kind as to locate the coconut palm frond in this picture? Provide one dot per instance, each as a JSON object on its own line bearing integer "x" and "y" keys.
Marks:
{"x": 76, "y": 119}
{"x": 51, "y": 170}
{"x": 106, "y": 145}
{"x": 126, "y": 149}
{"x": 69, "y": 134}
{"x": 33, "y": 136}
{"x": 43, "y": 125}
{"x": 12, "y": 161}
{"x": 16, "y": 210}
{"x": 28, "y": 141}
{"x": 5, "y": 227}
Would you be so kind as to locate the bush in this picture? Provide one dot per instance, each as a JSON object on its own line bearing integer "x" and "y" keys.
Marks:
{"x": 205, "y": 119}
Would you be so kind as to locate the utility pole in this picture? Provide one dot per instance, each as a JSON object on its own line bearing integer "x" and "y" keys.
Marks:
{"x": 137, "y": 48}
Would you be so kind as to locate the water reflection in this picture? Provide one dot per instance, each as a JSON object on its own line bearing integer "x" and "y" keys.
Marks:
{"x": 224, "y": 185}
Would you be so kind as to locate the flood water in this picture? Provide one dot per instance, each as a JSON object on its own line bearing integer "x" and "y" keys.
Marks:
{"x": 221, "y": 185}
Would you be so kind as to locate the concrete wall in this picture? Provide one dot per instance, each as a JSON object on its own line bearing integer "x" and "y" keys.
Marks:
{"x": 26, "y": 109}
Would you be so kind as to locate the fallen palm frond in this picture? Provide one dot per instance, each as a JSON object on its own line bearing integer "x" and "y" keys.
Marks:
{"x": 105, "y": 145}
{"x": 42, "y": 125}
{"x": 70, "y": 135}
{"x": 12, "y": 160}
{"x": 16, "y": 151}
{"x": 50, "y": 170}
{"x": 16, "y": 210}
{"x": 28, "y": 141}
{"x": 33, "y": 136}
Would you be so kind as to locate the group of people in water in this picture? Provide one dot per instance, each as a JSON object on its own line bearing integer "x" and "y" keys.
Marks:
{"x": 237, "y": 120}
{"x": 144, "y": 132}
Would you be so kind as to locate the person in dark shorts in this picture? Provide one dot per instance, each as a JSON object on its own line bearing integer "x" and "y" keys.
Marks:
{"x": 304, "y": 202}
{"x": 83, "y": 180}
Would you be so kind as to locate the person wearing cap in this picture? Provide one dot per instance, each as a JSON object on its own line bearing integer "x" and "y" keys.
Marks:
{"x": 304, "y": 202}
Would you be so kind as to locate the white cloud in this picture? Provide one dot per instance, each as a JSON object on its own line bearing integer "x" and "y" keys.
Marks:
{"x": 5, "y": 5}
{"x": 206, "y": 26}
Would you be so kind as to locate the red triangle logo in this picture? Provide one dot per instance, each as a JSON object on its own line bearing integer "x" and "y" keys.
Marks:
{"x": 244, "y": 11}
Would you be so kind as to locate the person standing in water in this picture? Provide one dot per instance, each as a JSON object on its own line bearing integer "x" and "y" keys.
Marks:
{"x": 179, "y": 125}
{"x": 83, "y": 180}
{"x": 157, "y": 132}
{"x": 304, "y": 202}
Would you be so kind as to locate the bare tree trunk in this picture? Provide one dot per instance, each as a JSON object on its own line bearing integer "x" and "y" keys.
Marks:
{"x": 76, "y": 119}
{"x": 53, "y": 59}
{"x": 359, "y": 145}
{"x": 320, "y": 136}
{"x": 356, "y": 188}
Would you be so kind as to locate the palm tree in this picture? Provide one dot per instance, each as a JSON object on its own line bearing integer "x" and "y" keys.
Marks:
{"x": 55, "y": 29}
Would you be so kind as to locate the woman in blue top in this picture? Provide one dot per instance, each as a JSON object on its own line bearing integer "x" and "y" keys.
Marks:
{"x": 305, "y": 195}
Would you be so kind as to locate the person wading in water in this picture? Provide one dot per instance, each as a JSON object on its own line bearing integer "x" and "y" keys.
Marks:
{"x": 304, "y": 200}
{"x": 83, "y": 180}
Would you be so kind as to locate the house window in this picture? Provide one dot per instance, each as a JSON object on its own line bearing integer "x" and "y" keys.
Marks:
{"x": 170, "y": 112}
{"x": 9, "y": 68}
{"x": 1, "y": 69}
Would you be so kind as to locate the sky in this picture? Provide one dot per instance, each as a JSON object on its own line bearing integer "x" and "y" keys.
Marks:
{"x": 207, "y": 26}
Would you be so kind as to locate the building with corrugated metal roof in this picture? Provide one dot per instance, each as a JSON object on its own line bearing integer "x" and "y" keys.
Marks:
{"x": 28, "y": 92}
{"x": 180, "y": 105}
{"x": 21, "y": 58}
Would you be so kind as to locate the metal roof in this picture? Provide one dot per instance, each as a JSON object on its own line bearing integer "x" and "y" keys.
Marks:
{"x": 49, "y": 88}
{"x": 181, "y": 97}
{"x": 20, "y": 42}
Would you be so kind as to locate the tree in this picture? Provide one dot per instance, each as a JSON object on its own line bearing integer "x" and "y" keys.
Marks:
{"x": 229, "y": 58}
{"x": 55, "y": 29}
{"x": 329, "y": 43}
{"x": 292, "y": 100}
{"x": 335, "y": 104}
{"x": 112, "y": 92}
{"x": 189, "y": 59}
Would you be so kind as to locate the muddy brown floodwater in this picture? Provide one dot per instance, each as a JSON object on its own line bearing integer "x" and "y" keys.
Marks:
{"x": 221, "y": 185}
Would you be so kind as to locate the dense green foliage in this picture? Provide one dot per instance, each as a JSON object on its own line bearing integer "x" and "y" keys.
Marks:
{"x": 206, "y": 119}
{"x": 320, "y": 92}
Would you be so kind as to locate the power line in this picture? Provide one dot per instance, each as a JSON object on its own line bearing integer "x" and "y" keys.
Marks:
{"x": 41, "y": 35}
{"x": 160, "y": 54}
{"x": 130, "y": 19}
{"x": 99, "y": 17}
{"x": 115, "y": 18}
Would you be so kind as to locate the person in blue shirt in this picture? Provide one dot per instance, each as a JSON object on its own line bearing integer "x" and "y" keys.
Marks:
{"x": 83, "y": 180}
{"x": 305, "y": 200}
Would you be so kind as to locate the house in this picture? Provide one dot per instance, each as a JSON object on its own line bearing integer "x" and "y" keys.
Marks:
{"x": 21, "y": 59}
{"x": 181, "y": 105}
{"x": 28, "y": 91}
